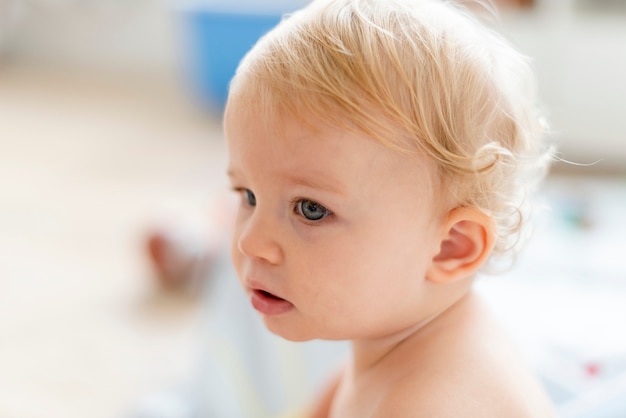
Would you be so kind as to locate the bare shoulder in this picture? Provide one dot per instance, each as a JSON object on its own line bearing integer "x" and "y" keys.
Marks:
{"x": 465, "y": 370}
{"x": 476, "y": 393}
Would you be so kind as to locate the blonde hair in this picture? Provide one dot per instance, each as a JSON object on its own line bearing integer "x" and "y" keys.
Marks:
{"x": 419, "y": 76}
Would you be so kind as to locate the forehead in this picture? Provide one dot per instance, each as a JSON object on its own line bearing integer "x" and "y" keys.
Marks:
{"x": 253, "y": 98}
{"x": 262, "y": 140}
{"x": 255, "y": 128}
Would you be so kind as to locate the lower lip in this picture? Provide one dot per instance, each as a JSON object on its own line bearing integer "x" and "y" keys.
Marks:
{"x": 268, "y": 305}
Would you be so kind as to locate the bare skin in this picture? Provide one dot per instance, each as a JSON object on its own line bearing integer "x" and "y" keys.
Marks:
{"x": 458, "y": 364}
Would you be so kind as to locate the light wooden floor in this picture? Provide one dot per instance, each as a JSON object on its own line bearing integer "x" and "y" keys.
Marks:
{"x": 86, "y": 168}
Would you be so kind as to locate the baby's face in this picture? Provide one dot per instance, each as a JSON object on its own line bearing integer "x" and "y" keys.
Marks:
{"x": 334, "y": 233}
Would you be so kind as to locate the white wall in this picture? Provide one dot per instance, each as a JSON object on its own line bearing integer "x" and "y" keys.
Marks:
{"x": 104, "y": 36}
{"x": 580, "y": 58}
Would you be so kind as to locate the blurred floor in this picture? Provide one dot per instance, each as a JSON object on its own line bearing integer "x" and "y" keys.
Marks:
{"x": 85, "y": 168}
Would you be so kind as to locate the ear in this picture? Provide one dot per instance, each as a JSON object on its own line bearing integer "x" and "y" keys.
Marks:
{"x": 468, "y": 236}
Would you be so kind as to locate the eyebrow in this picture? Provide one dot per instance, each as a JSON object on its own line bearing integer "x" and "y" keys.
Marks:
{"x": 302, "y": 181}
{"x": 312, "y": 183}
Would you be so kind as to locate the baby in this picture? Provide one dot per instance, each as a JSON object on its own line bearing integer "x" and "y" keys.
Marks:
{"x": 384, "y": 151}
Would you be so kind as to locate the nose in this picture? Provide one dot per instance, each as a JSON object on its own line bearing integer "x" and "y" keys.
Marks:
{"x": 258, "y": 238}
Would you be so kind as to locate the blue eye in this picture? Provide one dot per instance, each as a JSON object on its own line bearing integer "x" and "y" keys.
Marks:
{"x": 250, "y": 197}
{"x": 311, "y": 210}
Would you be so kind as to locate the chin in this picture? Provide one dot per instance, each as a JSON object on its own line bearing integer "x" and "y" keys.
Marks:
{"x": 290, "y": 333}
{"x": 295, "y": 333}
{"x": 292, "y": 329}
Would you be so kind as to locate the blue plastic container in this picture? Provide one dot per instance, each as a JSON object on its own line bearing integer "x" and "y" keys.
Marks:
{"x": 216, "y": 43}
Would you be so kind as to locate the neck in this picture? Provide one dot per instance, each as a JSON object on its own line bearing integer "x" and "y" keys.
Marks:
{"x": 367, "y": 353}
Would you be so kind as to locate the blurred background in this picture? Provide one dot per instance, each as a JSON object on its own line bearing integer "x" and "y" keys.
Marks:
{"x": 110, "y": 126}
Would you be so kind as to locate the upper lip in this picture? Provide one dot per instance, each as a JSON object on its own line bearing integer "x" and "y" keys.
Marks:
{"x": 256, "y": 286}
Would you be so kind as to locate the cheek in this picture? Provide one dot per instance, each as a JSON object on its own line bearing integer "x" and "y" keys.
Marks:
{"x": 343, "y": 266}
{"x": 392, "y": 249}
{"x": 325, "y": 273}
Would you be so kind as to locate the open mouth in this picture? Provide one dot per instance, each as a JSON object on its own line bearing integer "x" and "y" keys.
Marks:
{"x": 269, "y": 295}
{"x": 268, "y": 303}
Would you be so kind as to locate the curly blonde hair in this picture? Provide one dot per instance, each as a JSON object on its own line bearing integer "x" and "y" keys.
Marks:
{"x": 420, "y": 76}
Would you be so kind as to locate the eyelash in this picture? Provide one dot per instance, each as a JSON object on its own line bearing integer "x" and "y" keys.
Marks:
{"x": 250, "y": 199}
{"x": 297, "y": 208}
{"x": 246, "y": 195}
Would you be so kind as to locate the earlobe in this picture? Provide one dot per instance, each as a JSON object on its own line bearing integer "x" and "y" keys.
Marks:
{"x": 467, "y": 241}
